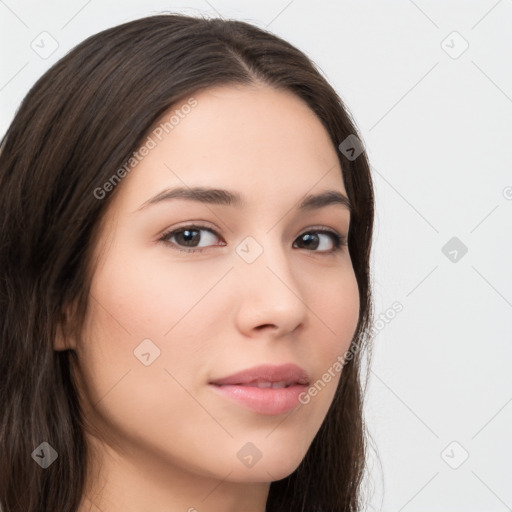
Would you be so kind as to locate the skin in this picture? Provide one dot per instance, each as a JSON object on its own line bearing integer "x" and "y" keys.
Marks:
{"x": 162, "y": 440}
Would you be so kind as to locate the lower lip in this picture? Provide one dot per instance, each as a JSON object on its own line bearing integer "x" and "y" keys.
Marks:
{"x": 268, "y": 401}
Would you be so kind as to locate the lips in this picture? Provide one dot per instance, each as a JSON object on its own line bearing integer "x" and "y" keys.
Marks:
{"x": 266, "y": 389}
{"x": 266, "y": 376}
{"x": 265, "y": 384}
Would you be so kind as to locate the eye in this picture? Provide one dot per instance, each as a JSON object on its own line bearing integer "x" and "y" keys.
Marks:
{"x": 313, "y": 238}
{"x": 186, "y": 239}
{"x": 189, "y": 235}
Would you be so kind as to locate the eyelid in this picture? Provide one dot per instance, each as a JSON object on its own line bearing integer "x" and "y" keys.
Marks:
{"x": 190, "y": 224}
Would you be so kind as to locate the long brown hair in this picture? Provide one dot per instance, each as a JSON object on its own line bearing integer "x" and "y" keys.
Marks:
{"x": 78, "y": 124}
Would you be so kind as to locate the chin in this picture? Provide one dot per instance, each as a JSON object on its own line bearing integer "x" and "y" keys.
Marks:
{"x": 268, "y": 469}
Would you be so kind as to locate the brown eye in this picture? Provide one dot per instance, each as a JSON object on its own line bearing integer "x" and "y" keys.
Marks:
{"x": 187, "y": 238}
{"x": 313, "y": 240}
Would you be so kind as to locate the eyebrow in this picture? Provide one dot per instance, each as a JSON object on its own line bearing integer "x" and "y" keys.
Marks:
{"x": 224, "y": 197}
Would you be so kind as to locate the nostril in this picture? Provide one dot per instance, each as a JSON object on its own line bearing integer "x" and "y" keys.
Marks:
{"x": 264, "y": 326}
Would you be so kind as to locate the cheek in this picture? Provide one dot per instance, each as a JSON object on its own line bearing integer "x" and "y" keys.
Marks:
{"x": 334, "y": 307}
{"x": 334, "y": 313}
{"x": 132, "y": 302}
{"x": 339, "y": 303}
{"x": 154, "y": 296}
{"x": 174, "y": 304}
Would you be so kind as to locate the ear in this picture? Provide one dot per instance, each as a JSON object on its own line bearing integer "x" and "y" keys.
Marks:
{"x": 62, "y": 340}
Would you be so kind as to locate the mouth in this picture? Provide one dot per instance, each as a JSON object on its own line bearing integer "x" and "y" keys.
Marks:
{"x": 265, "y": 384}
{"x": 267, "y": 375}
{"x": 267, "y": 390}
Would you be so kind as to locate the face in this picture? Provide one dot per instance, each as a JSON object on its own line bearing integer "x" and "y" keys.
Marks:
{"x": 188, "y": 292}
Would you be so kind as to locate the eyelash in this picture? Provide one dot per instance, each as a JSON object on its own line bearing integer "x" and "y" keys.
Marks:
{"x": 338, "y": 240}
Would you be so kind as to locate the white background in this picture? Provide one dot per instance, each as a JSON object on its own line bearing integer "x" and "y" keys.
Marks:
{"x": 438, "y": 132}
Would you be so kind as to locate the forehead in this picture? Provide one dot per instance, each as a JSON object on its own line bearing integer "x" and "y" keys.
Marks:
{"x": 266, "y": 144}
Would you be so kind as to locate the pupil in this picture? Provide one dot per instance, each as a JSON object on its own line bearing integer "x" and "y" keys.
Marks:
{"x": 187, "y": 234}
{"x": 308, "y": 238}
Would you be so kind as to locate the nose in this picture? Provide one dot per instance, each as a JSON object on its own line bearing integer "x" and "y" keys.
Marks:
{"x": 271, "y": 298}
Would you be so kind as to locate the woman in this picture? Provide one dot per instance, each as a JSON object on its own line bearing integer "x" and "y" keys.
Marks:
{"x": 185, "y": 242}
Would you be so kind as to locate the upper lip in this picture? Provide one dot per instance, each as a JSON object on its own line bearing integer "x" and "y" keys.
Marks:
{"x": 289, "y": 373}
